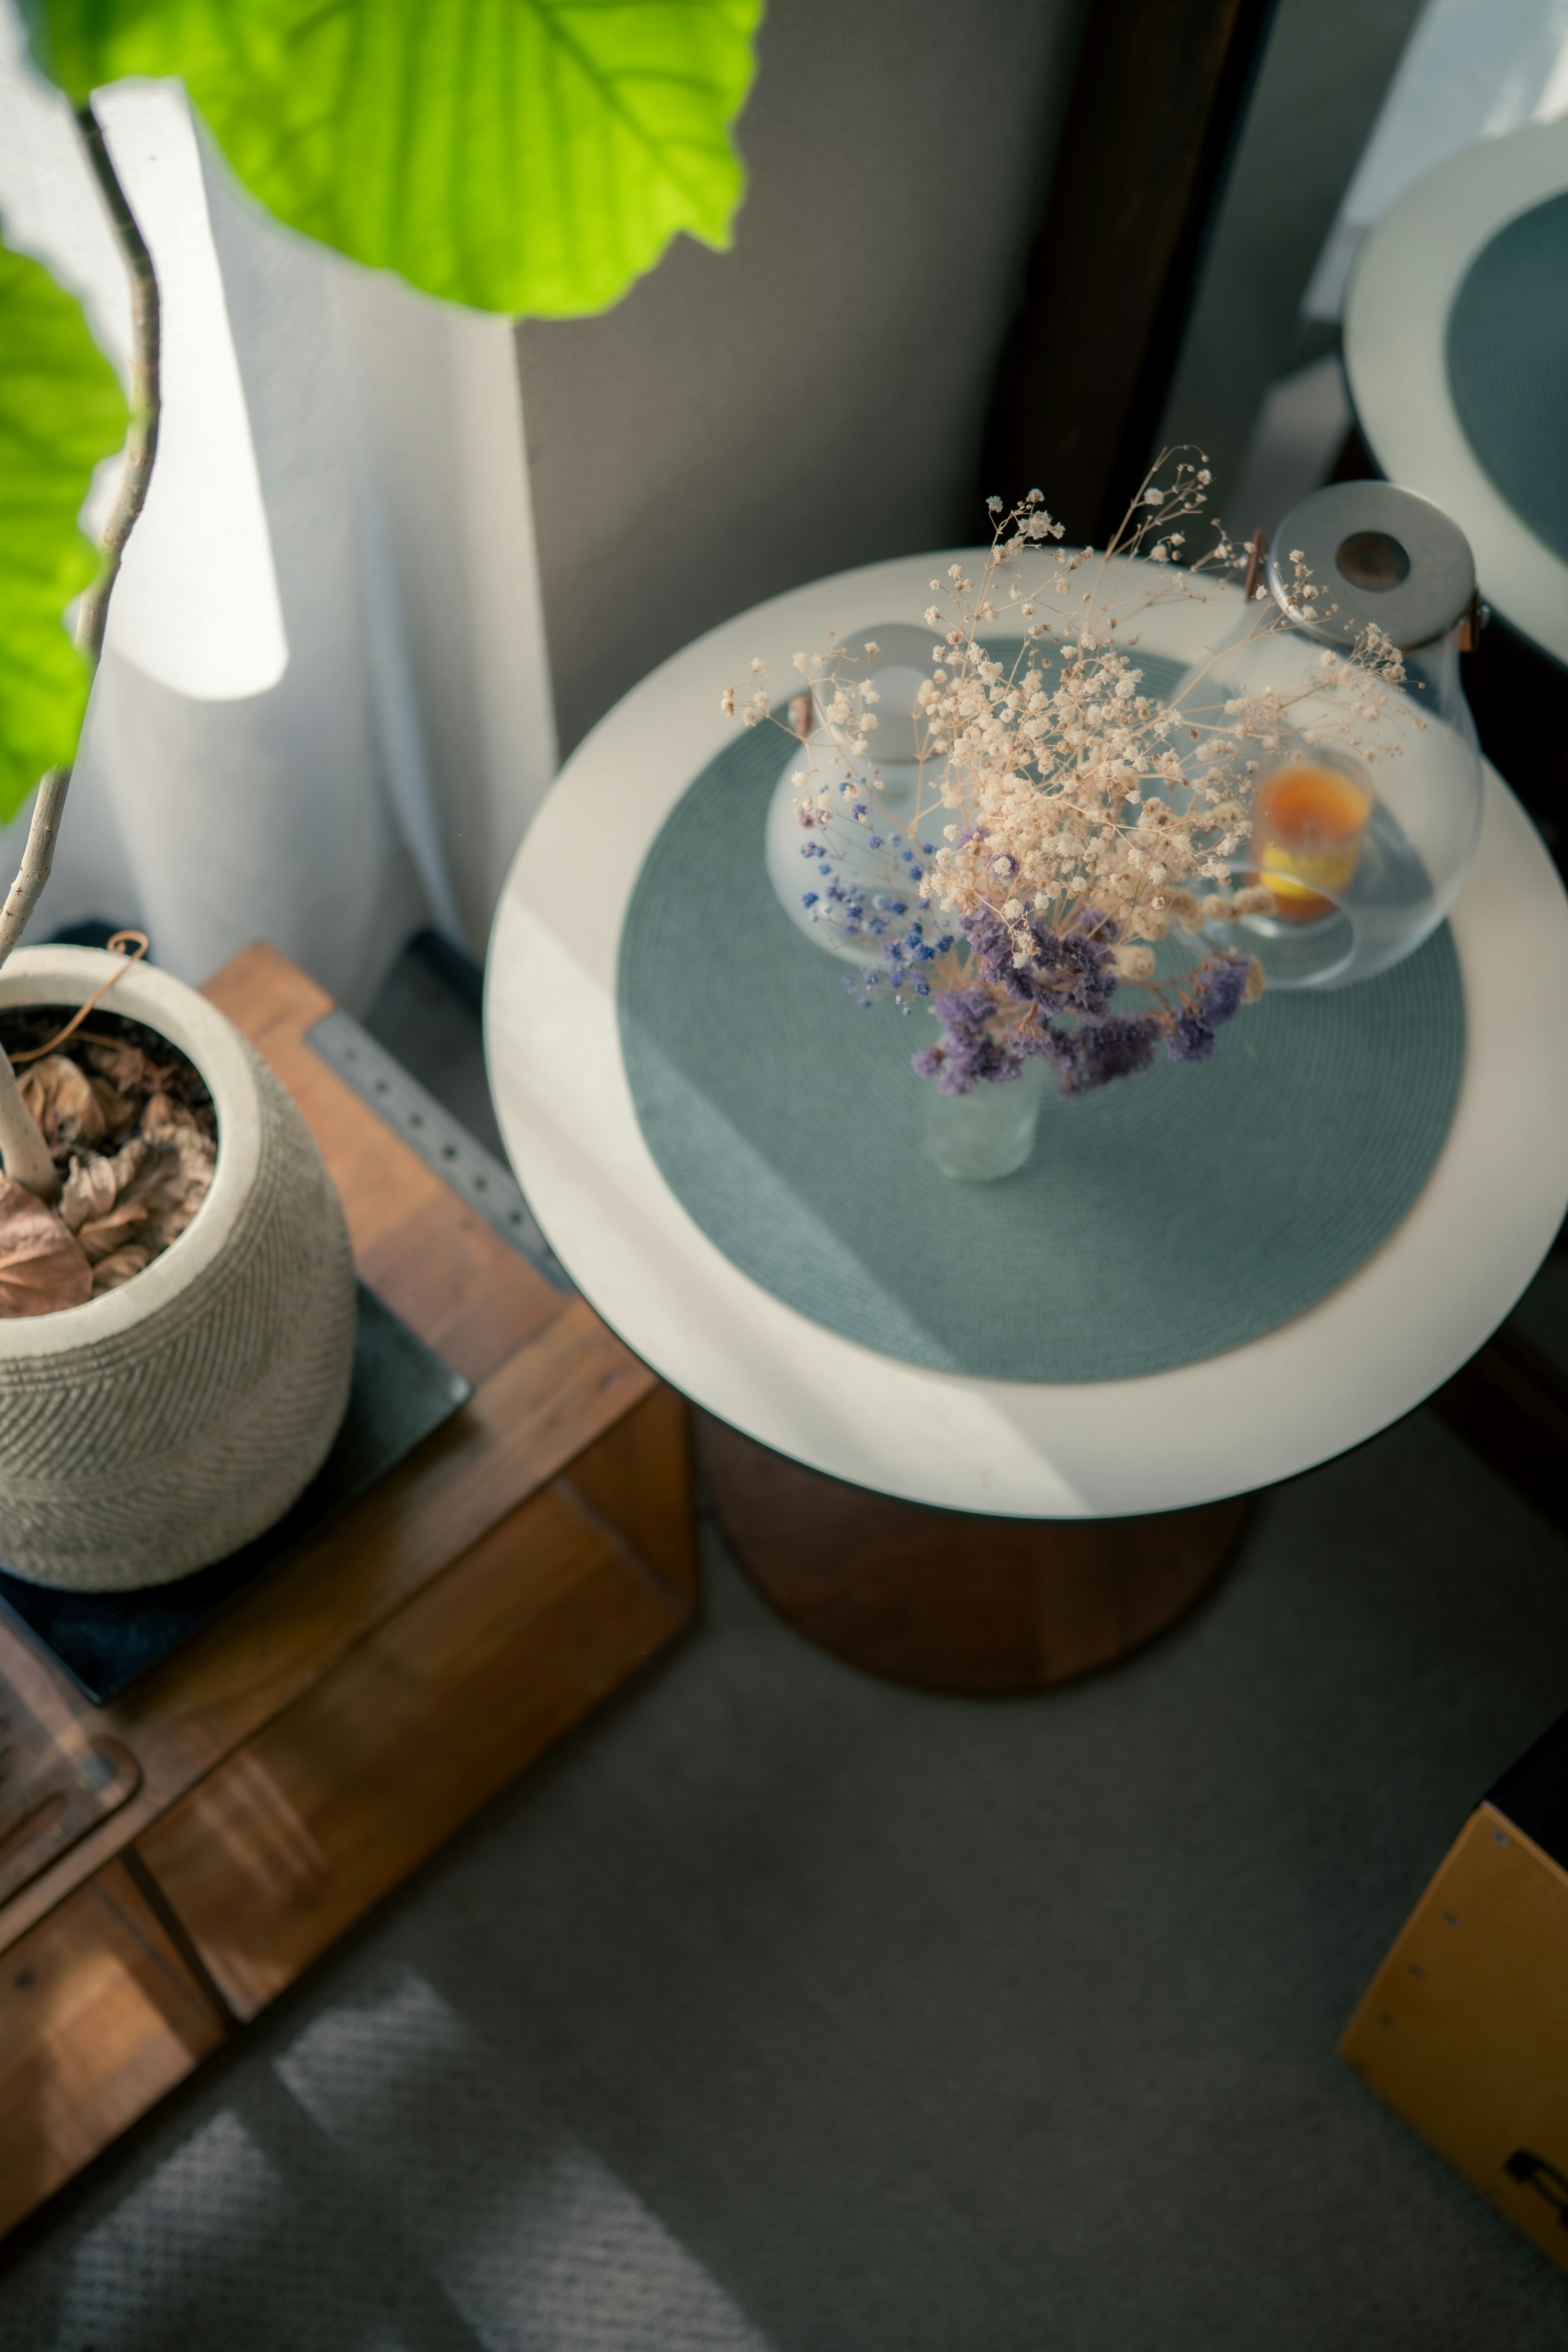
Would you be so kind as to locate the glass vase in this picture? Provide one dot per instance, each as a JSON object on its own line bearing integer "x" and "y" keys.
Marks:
{"x": 988, "y": 1132}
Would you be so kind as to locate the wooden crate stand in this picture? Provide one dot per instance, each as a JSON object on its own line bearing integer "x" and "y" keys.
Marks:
{"x": 311, "y": 1749}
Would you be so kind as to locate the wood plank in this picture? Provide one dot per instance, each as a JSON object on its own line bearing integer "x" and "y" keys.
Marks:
{"x": 527, "y": 1422}
{"x": 640, "y": 1477}
{"x": 292, "y": 1841}
{"x": 1464, "y": 2029}
{"x": 98, "y": 2017}
{"x": 443, "y": 1269}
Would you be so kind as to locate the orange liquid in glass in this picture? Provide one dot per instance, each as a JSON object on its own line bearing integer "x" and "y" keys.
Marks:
{"x": 1308, "y": 828}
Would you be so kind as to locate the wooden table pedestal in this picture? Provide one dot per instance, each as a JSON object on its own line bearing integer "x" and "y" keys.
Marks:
{"x": 952, "y": 1601}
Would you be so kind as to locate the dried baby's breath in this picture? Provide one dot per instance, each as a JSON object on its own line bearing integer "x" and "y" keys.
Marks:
{"x": 1069, "y": 819}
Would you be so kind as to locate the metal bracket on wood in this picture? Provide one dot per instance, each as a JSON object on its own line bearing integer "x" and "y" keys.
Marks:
{"x": 443, "y": 1142}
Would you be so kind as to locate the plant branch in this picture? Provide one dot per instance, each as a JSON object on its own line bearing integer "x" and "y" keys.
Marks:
{"x": 141, "y": 448}
{"x": 23, "y": 1151}
{"x": 28, "y": 1157}
{"x": 142, "y": 442}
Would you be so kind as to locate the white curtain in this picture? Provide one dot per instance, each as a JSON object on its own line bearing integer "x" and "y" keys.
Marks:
{"x": 324, "y": 715}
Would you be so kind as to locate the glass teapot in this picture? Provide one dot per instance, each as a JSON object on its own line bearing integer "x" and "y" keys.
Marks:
{"x": 1367, "y": 809}
{"x": 869, "y": 863}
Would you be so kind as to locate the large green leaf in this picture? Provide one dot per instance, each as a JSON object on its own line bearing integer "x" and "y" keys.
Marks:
{"x": 61, "y": 409}
{"x": 532, "y": 156}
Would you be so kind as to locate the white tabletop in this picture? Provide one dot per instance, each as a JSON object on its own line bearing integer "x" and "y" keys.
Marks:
{"x": 1327, "y": 1379}
{"x": 1406, "y": 278}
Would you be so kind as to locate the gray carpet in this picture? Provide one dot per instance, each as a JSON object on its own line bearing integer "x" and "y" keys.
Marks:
{"x": 783, "y": 2009}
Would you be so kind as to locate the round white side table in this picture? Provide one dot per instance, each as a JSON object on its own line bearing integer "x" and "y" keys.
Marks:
{"x": 1402, "y": 292}
{"x": 875, "y": 1574}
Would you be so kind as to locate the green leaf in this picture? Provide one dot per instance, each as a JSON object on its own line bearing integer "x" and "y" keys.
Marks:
{"x": 61, "y": 410}
{"x": 521, "y": 155}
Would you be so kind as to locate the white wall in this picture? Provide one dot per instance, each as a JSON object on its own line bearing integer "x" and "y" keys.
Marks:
{"x": 815, "y": 398}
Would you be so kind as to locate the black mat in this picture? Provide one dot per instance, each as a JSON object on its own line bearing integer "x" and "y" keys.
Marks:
{"x": 402, "y": 1391}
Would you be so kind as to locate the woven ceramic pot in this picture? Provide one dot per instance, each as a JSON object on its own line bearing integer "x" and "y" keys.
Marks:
{"x": 158, "y": 1428}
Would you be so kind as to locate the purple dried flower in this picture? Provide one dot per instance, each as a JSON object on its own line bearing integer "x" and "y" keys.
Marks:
{"x": 1093, "y": 1052}
{"x": 1190, "y": 1037}
{"x": 1067, "y": 969}
{"x": 1117, "y": 1047}
{"x": 969, "y": 1052}
{"x": 1218, "y": 991}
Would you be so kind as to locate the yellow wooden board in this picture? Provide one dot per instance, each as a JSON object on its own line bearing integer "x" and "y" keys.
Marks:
{"x": 1464, "y": 2029}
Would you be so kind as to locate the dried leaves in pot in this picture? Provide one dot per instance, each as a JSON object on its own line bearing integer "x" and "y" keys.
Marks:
{"x": 131, "y": 1128}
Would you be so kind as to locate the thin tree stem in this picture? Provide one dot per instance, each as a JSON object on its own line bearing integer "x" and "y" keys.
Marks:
{"x": 142, "y": 442}
{"x": 38, "y": 858}
{"x": 20, "y": 1142}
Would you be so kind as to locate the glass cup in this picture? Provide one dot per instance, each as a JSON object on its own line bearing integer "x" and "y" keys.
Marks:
{"x": 1310, "y": 820}
{"x": 988, "y": 1132}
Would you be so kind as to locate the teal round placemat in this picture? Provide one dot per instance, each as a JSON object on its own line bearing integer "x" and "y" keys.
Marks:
{"x": 1160, "y": 1221}
{"x": 1508, "y": 366}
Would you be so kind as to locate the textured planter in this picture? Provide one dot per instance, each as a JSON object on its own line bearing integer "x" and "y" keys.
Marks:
{"x": 158, "y": 1428}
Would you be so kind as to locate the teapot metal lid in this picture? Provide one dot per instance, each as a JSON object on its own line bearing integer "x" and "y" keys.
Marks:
{"x": 1379, "y": 554}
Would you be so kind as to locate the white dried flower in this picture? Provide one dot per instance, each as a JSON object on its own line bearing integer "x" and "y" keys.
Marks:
{"x": 1135, "y": 963}
{"x": 1070, "y": 792}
